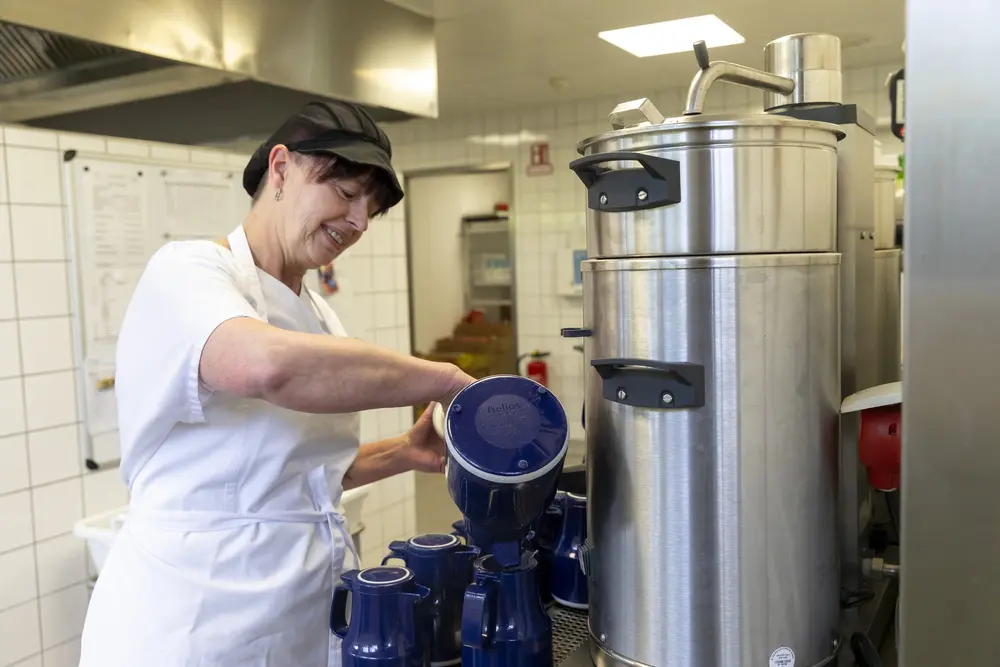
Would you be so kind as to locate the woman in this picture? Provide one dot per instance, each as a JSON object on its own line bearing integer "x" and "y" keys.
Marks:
{"x": 237, "y": 392}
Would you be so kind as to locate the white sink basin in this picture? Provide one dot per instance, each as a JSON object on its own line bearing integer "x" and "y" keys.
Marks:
{"x": 99, "y": 530}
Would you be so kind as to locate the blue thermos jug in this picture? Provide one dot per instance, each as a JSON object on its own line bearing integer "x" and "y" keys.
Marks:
{"x": 504, "y": 623}
{"x": 568, "y": 584}
{"x": 386, "y": 612}
{"x": 507, "y": 438}
{"x": 443, "y": 565}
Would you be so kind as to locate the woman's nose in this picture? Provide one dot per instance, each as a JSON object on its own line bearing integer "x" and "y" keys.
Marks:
{"x": 357, "y": 215}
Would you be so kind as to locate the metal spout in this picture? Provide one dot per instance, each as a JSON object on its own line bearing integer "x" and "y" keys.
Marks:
{"x": 721, "y": 70}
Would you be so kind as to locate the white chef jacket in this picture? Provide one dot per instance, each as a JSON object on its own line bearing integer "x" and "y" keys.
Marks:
{"x": 233, "y": 544}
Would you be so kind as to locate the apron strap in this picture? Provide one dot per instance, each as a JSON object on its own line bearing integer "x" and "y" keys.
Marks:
{"x": 203, "y": 521}
{"x": 335, "y": 520}
{"x": 240, "y": 247}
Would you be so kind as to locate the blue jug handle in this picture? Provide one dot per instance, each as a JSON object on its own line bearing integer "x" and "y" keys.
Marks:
{"x": 416, "y": 594}
{"x": 338, "y": 610}
{"x": 397, "y": 549}
{"x": 462, "y": 563}
{"x": 479, "y": 615}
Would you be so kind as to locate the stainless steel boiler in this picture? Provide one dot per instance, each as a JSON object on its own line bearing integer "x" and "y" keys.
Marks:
{"x": 711, "y": 315}
{"x": 728, "y": 309}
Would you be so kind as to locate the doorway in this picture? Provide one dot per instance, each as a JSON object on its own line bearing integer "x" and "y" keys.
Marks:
{"x": 460, "y": 240}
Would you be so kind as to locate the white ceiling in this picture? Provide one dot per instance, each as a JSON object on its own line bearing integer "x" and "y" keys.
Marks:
{"x": 505, "y": 53}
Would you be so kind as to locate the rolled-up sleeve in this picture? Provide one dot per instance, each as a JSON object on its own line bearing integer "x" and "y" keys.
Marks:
{"x": 186, "y": 291}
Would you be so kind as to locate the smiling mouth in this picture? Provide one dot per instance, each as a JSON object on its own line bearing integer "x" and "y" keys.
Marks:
{"x": 335, "y": 235}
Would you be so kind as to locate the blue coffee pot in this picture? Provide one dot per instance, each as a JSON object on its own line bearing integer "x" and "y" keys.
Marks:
{"x": 443, "y": 565}
{"x": 504, "y": 623}
{"x": 507, "y": 438}
{"x": 386, "y": 611}
{"x": 567, "y": 581}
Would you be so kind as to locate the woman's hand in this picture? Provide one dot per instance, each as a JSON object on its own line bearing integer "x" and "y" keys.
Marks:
{"x": 423, "y": 449}
{"x": 459, "y": 381}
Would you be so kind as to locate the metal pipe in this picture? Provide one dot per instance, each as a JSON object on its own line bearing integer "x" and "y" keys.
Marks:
{"x": 721, "y": 70}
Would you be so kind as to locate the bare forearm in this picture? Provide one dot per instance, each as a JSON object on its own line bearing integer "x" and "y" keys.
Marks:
{"x": 377, "y": 461}
{"x": 323, "y": 374}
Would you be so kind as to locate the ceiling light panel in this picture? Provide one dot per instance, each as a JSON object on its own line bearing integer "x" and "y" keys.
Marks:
{"x": 657, "y": 39}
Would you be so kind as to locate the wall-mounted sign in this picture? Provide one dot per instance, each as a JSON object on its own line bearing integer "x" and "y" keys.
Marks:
{"x": 569, "y": 272}
{"x": 539, "y": 164}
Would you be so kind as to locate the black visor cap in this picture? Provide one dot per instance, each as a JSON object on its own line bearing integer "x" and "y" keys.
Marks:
{"x": 340, "y": 129}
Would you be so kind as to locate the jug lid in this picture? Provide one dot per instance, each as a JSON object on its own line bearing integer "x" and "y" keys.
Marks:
{"x": 433, "y": 541}
{"x": 507, "y": 429}
{"x": 384, "y": 578}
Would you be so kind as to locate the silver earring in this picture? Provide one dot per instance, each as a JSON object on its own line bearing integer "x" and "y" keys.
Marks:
{"x": 278, "y": 194}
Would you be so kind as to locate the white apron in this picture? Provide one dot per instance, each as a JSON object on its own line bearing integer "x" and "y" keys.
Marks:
{"x": 233, "y": 567}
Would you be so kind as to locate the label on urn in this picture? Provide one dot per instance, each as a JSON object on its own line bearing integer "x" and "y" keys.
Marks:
{"x": 782, "y": 657}
{"x": 507, "y": 421}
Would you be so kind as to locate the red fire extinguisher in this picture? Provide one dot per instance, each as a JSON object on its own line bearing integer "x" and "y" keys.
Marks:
{"x": 537, "y": 369}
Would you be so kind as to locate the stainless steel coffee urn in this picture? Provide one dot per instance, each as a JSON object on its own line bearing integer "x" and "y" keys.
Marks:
{"x": 728, "y": 310}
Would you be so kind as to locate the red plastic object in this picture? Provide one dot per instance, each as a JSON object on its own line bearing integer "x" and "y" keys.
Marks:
{"x": 538, "y": 371}
{"x": 880, "y": 445}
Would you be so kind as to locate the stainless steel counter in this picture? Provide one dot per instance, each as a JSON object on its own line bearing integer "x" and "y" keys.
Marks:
{"x": 578, "y": 658}
{"x": 569, "y": 635}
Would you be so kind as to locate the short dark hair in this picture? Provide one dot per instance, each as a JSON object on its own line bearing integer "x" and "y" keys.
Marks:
{"x": 323, "y": 168}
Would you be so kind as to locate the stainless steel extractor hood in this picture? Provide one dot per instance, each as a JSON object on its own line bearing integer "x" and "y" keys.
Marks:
{"x": 208, "y": 71}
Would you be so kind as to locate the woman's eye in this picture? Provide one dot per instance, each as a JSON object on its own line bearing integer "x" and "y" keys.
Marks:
{"x": 347, "y": 195}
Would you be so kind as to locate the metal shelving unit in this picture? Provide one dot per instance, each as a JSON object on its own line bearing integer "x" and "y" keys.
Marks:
{"x": 487, "y": 245}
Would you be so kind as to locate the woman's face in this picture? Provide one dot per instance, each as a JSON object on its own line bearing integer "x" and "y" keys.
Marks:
{"x": 322, "y": 219}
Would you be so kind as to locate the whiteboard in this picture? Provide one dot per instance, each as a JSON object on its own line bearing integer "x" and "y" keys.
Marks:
{"x": 121, "y": 210}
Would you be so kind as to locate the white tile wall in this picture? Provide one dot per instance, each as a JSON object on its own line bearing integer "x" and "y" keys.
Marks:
{"x": 57, "y": 506}
{"x": 16, "y": 518}
{"x": 61, "y": 562}
{"x": 42, "y": 288}
{"x": 46, "y": 345}
{"x": 14, "y": 474}
{"x": 63, "y": 655}
{"x": 33, "y": 176}
{"x": 50, "y": 400}
{"x": 7, "y": 310}
{"x": 42, "y": 565}
{"x": 10, "y": 350}
{"x": 6, "y": 252}
{"x": 62, "y": 615}
{"x": 38, "y": 233}
{"x": 44, "y": 487}
{"x": 20, "y": 632}
{"x": 54, "y": 454}
{"x": 18, "y": 578}
{"x": 11, "y": 406}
